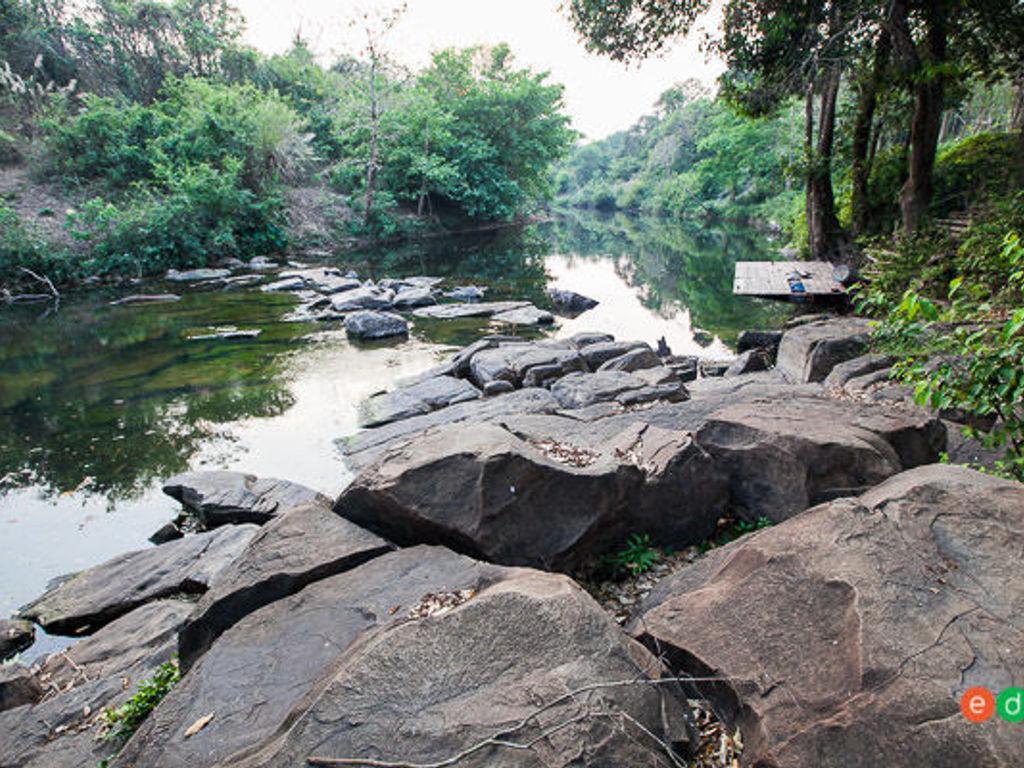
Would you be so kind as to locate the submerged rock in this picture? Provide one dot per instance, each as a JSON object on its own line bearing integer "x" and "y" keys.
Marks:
{"x": 415, "y": 656}
{"x": 150, "y": 298}
{"x": 98, "y": 595}
{"x": 848, "y": 634}
{"x": 368, "y": 325}
{"x": 219, "y": 497}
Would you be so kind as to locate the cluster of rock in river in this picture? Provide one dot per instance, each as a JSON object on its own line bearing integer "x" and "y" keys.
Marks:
{"x": 426, "y": 613}
{"x": 370, "y": 310}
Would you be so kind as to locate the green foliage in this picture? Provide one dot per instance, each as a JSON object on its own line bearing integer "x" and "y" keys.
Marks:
{"x": 732, "y": 530}
{"x": 636, "y": 557}
{"x": 962, "y": 347}
{"x": 696, "y": 157}
{"x": 123, "y": 721}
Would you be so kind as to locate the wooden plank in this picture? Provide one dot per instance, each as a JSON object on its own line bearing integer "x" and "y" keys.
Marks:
{"x": 771, "y": 279}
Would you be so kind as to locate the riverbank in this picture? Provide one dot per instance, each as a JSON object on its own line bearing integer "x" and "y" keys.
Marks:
{"x": 434, "y": 578}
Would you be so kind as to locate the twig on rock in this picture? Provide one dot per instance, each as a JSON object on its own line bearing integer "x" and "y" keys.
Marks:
{"x": 496, "y": 740}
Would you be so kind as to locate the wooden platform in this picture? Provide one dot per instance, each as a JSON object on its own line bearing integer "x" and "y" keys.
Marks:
{"x": 770, "y": 279}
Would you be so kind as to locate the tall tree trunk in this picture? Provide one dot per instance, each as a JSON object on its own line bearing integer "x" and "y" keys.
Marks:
{"x": 371, "y": 166}
{"x": 916, "y": 195}
{"x": 862, "y": 147}
{"x": 823, "y": 230}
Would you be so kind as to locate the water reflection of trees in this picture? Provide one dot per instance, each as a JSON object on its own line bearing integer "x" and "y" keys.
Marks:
{"x": 675, "y": 263}
{"x": 114, "y": 398}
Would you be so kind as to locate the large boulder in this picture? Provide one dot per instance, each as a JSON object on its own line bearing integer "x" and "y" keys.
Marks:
{"x": 97, "y": 596}
{"x": 810, "y": 352}
{"x": 15, "y": 636}
{"x": 222, "y": 497}
{"x": 487, "y": 492}
{"x": 847, "y": 635}
{"x": 855, "y": 368}
{"x": 367, "y": 325}
{"x": 635, "y": 360}
{"x": 416, "y": 399}
{"x": 59, "y": 723}
{"x": 751, "y": 361}
{"x": 304, "y": 545}
{"x": 408, "y": 298}
{"x": 786, "y": 453}
{"x": 766, "y": 340}
{"x": 412, "y": 658}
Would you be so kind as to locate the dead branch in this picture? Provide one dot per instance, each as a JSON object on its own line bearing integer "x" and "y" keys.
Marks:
{"x": 42, "y": 279}
{"x": 497, "y": 740}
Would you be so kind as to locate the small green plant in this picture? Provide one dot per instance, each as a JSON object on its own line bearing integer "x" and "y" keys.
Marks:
{"x": 121, "y": 722}
{"x": 637, "y": 556}
{"x": 732, "y": 530}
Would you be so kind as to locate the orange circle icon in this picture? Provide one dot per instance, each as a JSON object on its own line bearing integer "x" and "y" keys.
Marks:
{"x": 977, "y": 704}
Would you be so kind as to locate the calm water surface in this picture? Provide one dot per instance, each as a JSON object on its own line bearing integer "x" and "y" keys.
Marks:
{"x": 99, "y": 403}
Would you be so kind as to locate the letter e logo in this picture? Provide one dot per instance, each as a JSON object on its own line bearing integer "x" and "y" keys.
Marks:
{"x": 977, "y": 705}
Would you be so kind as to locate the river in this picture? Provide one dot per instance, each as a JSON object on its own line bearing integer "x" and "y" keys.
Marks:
{"x": 99, "y": 403}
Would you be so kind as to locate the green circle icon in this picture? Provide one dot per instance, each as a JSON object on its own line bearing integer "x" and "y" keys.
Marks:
{"x": 1010, "y": 704}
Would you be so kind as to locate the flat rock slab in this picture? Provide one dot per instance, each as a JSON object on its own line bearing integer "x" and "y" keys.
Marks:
{"x": 222, "y": 497}
{"x": 191, "y": 275}
{"x": 485, "y": 491}
{"x": 809, "y": 352}
{"x": 63, "y": 730}
{"x": 513, "y": 362}
{"x": 412, "y": 657}
{"x": 363, "y": 447}
{"x": 481, "y": 309}
{"x": 97, "y": 596}
{"x": 850, "y": 632}
{"x": 260, "y": 673}
{"x": 414, "y": 400}
{"x": 15, "y": 636}
{"x": 305, "y": 544}
{"x": 530, "y": 315}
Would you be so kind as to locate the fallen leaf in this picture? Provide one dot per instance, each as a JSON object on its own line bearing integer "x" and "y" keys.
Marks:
{"x": 198, "y": 725}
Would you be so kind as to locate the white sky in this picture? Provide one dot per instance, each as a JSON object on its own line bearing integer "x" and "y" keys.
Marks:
{"x": 602, "y": 96}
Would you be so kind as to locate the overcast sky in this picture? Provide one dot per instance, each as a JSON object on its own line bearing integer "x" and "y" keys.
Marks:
{"x": 601, "y": 96}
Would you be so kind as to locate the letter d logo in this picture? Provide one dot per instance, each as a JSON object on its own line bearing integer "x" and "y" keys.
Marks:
{"x": 1010, "y": 705}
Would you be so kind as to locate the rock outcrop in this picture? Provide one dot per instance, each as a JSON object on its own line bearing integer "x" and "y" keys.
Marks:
{"x": 59, "y": 722}
{"x": 483, "y": 490}
{"x": 416, "y": 399}
{"x": 848, "y": 634}
{"x": 416, "y": 656}
{"x": 221, "y": 497}
{"x": 95, "y": 597}
{"x": 305, "y": 544}
{"x": 809, "y": 352}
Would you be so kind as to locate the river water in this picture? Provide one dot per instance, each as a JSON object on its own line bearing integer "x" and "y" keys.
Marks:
{"x": 99, "y": 403}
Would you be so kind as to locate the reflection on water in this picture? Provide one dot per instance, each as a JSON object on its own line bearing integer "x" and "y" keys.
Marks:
{"x": 99, "y": 403}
